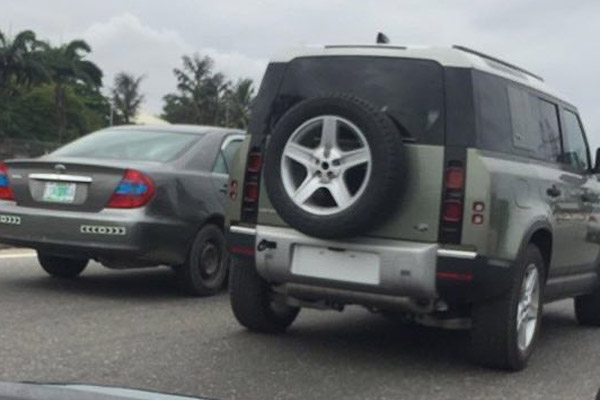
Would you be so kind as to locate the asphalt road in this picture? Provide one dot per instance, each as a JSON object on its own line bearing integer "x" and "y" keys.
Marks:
{"x": 132, "y": 328}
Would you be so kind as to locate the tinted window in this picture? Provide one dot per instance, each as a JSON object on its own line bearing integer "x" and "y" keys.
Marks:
{"x": 534, "y": 125}
{"x": 513, "y": 120}
{"x": 575, "y": 150}
{"x": 495, "y": 131}
{"x": 130, "y": 145}
{"x": 549, "y": 124}
{"x": 411, "y": 91}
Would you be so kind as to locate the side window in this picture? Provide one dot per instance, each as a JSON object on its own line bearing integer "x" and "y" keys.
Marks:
{"x": 225, "y": 157}
{"x": 535, "y": 126}
{"x": 575, "y": 150}
{"x": 220, "y": 165}
{"x": 493, "y": 113}
{"x": 230, "y": 150}
{"x": 549, "y": 125}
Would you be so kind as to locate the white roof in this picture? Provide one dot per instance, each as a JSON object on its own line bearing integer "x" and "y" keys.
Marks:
{"x": 445, "y": 56}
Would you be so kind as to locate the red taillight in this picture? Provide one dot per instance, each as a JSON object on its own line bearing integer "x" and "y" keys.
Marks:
{"x": 6, "y": 192}
{"x": 134, "y": 190}
{"x": 452, "y": 210}
{"x": 254, "y": 162}
{"x": 251, "y": 192}
{"x": 455, "y": 178}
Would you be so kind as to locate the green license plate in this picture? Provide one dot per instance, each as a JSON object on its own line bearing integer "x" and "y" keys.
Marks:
{"x": 59, "y": 192}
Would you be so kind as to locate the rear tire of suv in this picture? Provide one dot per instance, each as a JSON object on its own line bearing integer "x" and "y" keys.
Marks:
{"x": 205, "y": 269}
{"x": 62, "y": 267}
{"x": 496, "y": 339}
{"x": 251, "y": 301}
{"x": 587, "y": 309}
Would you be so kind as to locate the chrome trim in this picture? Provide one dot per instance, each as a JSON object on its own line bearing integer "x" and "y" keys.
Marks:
{"x": 243, "y": 230}
{"x": 468, "y": 255}
{"x": 61, "y": 177}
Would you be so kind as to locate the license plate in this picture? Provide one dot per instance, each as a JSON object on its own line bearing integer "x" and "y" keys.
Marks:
{"x": 59, "y": 192}
{"x": 344, "y": 265}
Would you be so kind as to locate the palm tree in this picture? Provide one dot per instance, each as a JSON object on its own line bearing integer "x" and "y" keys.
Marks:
{"x": 239, "y": 100}
{"x": 21, "y": 61}
{"x": 126, "y": 97}
{"x": 66, "y": 65}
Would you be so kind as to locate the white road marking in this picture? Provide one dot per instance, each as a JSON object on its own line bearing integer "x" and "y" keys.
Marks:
{"x": 16, "y": 253}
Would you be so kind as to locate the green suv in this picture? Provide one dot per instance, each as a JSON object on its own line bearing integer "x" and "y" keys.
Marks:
{"x": 439, "y": 184}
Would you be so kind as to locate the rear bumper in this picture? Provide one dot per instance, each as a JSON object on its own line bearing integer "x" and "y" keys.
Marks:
{"x": 111, "y": 234}
{"x": 421, "y": 271}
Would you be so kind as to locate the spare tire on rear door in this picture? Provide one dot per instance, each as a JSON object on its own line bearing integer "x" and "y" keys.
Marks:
{"x": 334, "y": 166}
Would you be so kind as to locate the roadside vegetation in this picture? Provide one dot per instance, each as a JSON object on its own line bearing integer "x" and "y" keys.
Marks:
{"x": 54, "y": 93}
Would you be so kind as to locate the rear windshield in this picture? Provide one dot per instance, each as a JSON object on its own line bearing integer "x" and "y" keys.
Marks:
{"x": 130, "y": 145}
{"x": 411, "y": 91}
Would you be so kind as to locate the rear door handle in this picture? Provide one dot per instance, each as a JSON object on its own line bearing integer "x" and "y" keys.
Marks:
{"x": 553, "y": 191}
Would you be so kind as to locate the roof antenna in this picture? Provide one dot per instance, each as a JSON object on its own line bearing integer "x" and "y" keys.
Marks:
{"x": 382, "y": 38}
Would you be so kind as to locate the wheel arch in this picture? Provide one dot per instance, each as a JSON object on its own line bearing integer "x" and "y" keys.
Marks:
{"x": 540, "y": 234}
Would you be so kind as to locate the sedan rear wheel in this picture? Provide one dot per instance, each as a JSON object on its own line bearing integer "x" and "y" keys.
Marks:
{"x": 62, "y": 267}
{"x": 205, "y": 271}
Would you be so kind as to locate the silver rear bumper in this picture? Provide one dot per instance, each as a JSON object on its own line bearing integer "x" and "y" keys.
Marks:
{"x": 405, "y": 269}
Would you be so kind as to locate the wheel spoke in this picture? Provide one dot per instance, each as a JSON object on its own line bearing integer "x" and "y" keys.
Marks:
{"x": 300, "y": 154}
{"x": 340, "y": 192}
{"x": 329, "y": 133}
{"x": 306, "y": 189}
{"x": 356, "y": 157}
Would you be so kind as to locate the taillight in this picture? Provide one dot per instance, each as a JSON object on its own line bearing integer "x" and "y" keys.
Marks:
{"x": 6, "y": 192}
{"x": 251, "y": 192}
{"x": 251, "y": 185}
{"x": 455, "y": 178}
{"x": 452, "y": 210}
{"x": 254, "y": 162}
{"x": 452, "y": 202}
{"x": 134, "y": 190}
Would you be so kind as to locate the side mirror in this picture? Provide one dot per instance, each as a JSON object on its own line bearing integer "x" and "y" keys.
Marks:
{"x": 596, "y": 169}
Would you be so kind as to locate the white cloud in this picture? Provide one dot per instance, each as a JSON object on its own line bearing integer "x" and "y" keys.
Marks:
{"x": 124, "y": 43}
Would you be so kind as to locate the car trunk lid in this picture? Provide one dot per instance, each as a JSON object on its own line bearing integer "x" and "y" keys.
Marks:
{"x": 64, "y": 184}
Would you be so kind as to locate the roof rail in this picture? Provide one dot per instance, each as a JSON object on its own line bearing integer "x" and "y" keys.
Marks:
{"x": 496, "y": 60}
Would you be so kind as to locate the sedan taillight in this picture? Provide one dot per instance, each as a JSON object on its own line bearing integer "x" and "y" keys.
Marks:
{"x": 134, "y": 190}
{"x": 6, "y": 192}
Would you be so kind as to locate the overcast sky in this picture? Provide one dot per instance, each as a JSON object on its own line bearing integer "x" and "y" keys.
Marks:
{"x": 556, "y": 39}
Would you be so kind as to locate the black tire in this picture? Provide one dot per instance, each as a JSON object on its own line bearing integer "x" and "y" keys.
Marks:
{"x": 250, "y": 298}
{"x": 61, "y": 267}
{"x": 205, "y": 270}
{"x": 494, "y": 333}
{"x": 388, "y": 169}
{"x": 587, "y": 309}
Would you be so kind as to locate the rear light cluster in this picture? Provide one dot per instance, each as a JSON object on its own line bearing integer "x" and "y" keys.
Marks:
{"x": 251, "y": 182}
{"x": 134, "y": 190}
{"x": 6, "y": 192}
{"x": 453, "y": 197}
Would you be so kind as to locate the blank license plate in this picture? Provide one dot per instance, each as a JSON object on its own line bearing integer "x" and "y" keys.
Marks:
{"x": 346, "y": 266}
{"x": 59, "y": 192}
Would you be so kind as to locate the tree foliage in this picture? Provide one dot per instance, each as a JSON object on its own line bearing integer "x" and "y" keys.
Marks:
{"x": 48, "y": 92}
{"x": 126, "y": 97}
{"x": 205, "y": 97}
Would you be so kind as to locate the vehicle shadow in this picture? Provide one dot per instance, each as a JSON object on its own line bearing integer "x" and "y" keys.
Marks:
{"x": 149, "y": 284}
{"x": 372, "y": 338}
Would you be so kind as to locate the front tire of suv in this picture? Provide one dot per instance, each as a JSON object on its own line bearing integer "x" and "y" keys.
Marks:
{"x": 506, "y": 328}
{"x": 252, "y": 304}
{"x": 62, "y": 267}
{"x": 587, "y": 309}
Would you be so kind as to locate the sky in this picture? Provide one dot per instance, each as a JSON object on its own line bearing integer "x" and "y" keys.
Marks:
{"x": 555, "y": 39}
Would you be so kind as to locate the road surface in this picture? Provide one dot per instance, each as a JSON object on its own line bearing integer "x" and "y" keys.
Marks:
{"x": 133, "y": 328}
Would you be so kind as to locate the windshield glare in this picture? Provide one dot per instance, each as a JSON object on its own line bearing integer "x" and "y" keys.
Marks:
{"x": 130, "y": 145}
